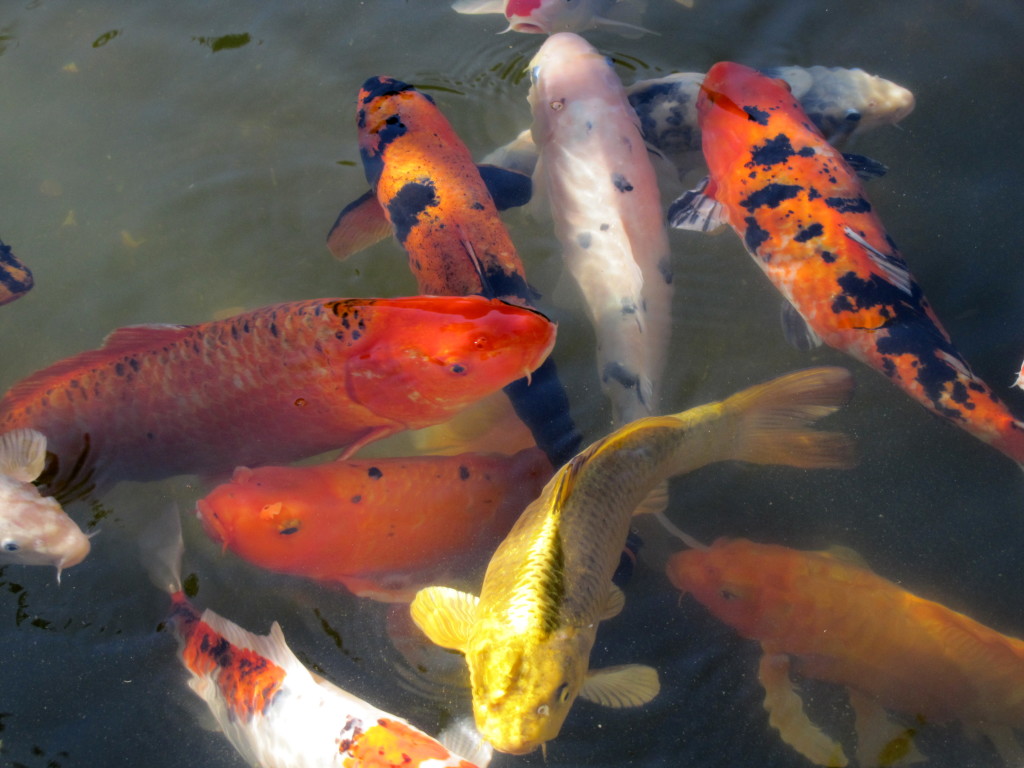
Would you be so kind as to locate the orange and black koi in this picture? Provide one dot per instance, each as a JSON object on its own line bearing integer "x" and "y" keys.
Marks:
{"x": 444, "y": 213}
{"x": 802, "y": 213}
{"x": 15, "y": 278}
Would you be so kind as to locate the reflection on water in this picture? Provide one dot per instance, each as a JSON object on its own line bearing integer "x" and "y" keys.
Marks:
{"x": 166, "y": 166}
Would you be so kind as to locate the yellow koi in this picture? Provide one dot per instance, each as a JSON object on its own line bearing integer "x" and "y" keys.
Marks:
{"x": 527, "y": 638}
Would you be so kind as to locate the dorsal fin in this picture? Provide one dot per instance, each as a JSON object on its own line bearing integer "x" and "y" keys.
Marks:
{"x": 121, "y": 342}
{"x": 132, "y": 338}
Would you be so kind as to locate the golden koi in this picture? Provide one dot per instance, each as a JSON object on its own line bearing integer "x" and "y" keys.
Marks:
{"x": 528, "y": 637}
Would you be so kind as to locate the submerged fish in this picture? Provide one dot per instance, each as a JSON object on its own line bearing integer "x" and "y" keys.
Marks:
{"x": 269, "y": 386}
{"x": 827, "y": 616}
{"x": 546, "y": 17}
{"x": 528, "y": 637}
{"x": 15, "y": 278}
{"x": 273, "y": 710}
{"x": 842, "y": 103}
{"x": 606, "y": 208}
{"x": 381, "y": 527}
{"x": 34, "y": 530}
{"x": 803, "y": 216}
{"x": 443, "y": 213}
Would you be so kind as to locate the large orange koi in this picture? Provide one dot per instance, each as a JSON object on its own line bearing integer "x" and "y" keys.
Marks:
{"x": 443, "y": 212}
{"x": 827, "y": 616}
{"x": 382, "y": 527}
{"x": 269, "y": 386}
{"x": 803, "y": 216}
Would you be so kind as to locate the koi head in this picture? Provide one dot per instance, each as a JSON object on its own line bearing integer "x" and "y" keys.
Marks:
{"x": 567, "y": 70}
{"x": 34, "y": 530}
{"x": 427, "y": 357}
{"x": 523, "y": 687}
{"x": 385, "y": 106}
{"x": 728, "y": 579}
{"x": 738, "y": 107}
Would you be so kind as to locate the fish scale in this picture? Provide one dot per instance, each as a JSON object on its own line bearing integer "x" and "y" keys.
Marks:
{"x": 273, "y": 385}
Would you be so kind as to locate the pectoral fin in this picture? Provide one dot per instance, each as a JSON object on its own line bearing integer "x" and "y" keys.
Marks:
{"x": 697, "y": 210}
{"x": 22, "y": 454}
{"x": 614, "y": 603}
{"x": 360, "y": 224}
{"x": 881, "y": 741}
{"x": 445, "y": 615}
{"x": 786, "y": 714}
{"x": 508, "y": 188}
{"x": 796, "y": 330}
{"x": 631, "y": 685}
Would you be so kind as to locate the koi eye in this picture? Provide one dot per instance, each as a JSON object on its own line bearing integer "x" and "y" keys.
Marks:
{"x": 558, "y": 105}
{"x": 10, "y": 545}
{"x": 457, "y": 369}
{"x": 392, "y": 120}
{"x": 852, "y": 116}
{"x": 543, "y": 710}
{"x": 563, "y": 692}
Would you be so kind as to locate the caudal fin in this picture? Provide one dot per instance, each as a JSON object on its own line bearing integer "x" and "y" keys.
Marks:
{"x": 161, "y": 547}
{"x": 774, "y": 419}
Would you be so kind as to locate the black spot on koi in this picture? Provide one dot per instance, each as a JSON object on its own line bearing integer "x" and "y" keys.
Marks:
{"x": 404, "y": 208}
{"x": 771, "y": 196}
{"x": 808, "y": 233}
{"x": 848, "y": 204}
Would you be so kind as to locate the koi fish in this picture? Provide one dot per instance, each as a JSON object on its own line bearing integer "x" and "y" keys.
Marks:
{"x": 826, "y": 616}
{"x": 527, "y": 638}
{"x": 607, "y": 214}
{"x": 15, "y": 278}
{"x": 273, "y": 710}
{"x": 381, "y": 527}
{"x": 269, "y": 386}
{"x": 803, "y": 216}
{"x": 427, "y": 189}
{"x": 34, "y": 530}
{"x": 546, "y": 17}
{"x": 842, "y": 103}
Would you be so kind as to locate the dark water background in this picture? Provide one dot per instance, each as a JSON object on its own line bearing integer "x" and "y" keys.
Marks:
{"x": 148, "y": 174}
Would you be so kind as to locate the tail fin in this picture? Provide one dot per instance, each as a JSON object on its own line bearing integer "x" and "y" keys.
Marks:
{"x": 161, "y": 548}
{"x": 774, "y": 416}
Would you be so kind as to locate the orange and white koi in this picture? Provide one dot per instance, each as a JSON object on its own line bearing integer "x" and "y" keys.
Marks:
{"x": 15, "y": 278}
{"x": 382, "y": 527}
{"x": 269, "y": 386}
{"x": 826, "y": 616}
{"x": 803, "y": 216}
{"x": 34, "y": 529}
{"x": 273, "y": 710}
{"x": 607, "y": 214}
{"x": 443, "y": 210}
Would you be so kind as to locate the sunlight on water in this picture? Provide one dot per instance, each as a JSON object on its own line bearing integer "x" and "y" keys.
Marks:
{"x": 172, "y": 164}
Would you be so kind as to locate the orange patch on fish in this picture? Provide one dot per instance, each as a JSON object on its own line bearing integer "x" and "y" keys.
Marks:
{"x": 391, "y": 744}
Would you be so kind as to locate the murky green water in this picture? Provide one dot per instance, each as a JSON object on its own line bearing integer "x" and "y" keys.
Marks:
{"x": 164, "y": 162}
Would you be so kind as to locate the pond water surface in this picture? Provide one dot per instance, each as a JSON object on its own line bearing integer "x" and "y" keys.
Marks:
{"x": 166, "y": 162}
